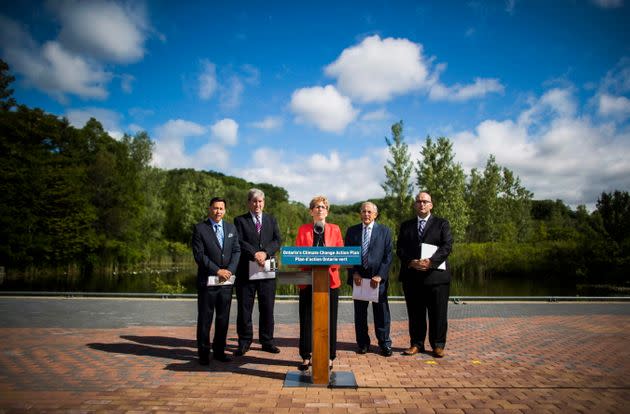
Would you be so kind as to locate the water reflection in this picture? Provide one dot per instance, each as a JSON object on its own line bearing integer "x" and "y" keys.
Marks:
{"x": 183, "y": 281}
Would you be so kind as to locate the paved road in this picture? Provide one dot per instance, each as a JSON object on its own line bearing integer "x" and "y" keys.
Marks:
{"x": 119, "y": 313}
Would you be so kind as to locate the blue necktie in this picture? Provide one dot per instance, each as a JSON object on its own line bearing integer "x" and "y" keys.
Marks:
{"x": 219, "y": 232}
{"x": 421, "y": 228}
{"x": 364, "y": 246}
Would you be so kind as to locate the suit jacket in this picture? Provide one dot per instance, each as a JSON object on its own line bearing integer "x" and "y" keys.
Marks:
{"x": 332, "y": 238}
{"x": 437, "y": 231}
{"x": 379, "y": 255}
{"x": 208, "y": 253}
{"x": 269, "y": 240}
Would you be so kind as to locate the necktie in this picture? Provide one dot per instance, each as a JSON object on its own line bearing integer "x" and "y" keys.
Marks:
{"x": 421, "y": 228}
{"x": 219, "y": 232}
{"x": 258, "y": 224}
{"x": 364, "y": 246}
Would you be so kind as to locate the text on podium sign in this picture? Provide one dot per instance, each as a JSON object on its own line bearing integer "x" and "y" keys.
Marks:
{"x": 321, "y": 256}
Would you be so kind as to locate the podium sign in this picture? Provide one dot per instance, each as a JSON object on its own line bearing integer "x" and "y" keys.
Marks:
{"x": 320, "y": 258}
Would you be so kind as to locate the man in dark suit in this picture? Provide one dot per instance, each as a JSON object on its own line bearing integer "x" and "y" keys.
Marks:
{"x": 426, "y": 287}
{"x": 376, "y": 257}
{"x": 216, "y": 250}
{"x": 260, "y": 239}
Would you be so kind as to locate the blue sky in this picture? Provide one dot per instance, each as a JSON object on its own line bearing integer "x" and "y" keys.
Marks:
{"x": 303, "y": 95}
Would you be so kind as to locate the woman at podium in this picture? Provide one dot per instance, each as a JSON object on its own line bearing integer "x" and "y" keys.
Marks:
{"x": 318, "y": 233}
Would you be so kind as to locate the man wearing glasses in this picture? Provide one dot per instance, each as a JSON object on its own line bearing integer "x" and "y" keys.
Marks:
{"x": 424, "y": 244}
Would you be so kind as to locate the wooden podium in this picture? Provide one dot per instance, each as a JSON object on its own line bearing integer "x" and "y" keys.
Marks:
{"x": 321, "y": 375}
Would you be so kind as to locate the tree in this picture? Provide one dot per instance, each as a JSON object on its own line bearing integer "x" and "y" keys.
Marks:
{"x": 499, "y": 205}
{"x": 397, "y": 183}
{"x": 439, "y": 175}
{"x": 6, "y": 99}
{"x": 614, "y": 209}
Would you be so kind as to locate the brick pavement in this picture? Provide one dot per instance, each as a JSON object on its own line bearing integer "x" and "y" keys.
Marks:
{"x": 530, "y": 363}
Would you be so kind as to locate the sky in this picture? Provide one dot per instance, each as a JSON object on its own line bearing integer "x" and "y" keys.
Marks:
{"x": 303, "y": 94}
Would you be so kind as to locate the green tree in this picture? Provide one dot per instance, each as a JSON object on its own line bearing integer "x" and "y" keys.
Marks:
{"x": 397, "y": 185}
{"x": 499, "y": 205}
{"x": 614, "y": 209}
{"x": 6, "y": 94}
{"x": 439, "y": 175}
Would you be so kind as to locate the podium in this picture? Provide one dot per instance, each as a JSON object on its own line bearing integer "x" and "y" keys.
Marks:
{"x": 319, "y": 258}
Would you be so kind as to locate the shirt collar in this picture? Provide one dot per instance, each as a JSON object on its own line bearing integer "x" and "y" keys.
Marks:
{"x": 215, "y": 223}
{"x": 254, "y": 216}
{"x": 425, "y": 219}
{"x": 369, "y": 226}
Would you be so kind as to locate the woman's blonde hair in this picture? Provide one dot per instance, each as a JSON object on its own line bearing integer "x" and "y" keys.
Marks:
{"x": 319, "y": 199}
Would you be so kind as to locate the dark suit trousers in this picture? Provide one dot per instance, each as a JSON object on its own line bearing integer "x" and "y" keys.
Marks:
{"x": 306, "y": 321}
{"x": 213, "y": 299}
{"x": 245, "y": 294}
{"x": 422, "y": 299}
{"x": 382, "y": 321}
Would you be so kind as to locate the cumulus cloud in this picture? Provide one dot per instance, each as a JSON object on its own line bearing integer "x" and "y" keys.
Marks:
{"x": 105, "y": 30}
{"x": 306, "y": 176}
{"x": 108, "y": 118}
{"x": 378, "y": 69}
{"x": 269, "y": 123}
{"x": 184, "y": 144}
{"x": 614, "y": 106}
{"x": 226, "y": 130}
{"x": 323, "y": 107}
{"x": 207, "y": 80}
{"x": 566, "y": 157}
{"x": 50, "y": 67}
{"x": 231, "y": 93}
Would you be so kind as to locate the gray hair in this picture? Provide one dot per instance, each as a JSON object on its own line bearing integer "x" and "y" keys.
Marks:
{"x": 365, "y": 203}
{"x": 255, "y": 193}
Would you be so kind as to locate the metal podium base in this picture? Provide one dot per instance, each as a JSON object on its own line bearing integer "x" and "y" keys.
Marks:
{"x": 338, "y": 379}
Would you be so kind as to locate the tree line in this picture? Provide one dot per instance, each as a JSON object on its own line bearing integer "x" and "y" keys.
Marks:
{"x": 78, "y": 198}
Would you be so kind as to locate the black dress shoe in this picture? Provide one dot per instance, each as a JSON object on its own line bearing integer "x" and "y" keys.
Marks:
{"x": 204, "y": 361}
{"x": 271, "y": 348}
{"x": 241, "y": 350}
{"x": 362, "y": 350}
{"x": 386, "y": 352}
{"x": 222, "y": 358}
{"x": 303, "y": 366}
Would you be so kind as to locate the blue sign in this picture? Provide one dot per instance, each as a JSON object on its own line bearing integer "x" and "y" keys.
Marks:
{"x": 321, "y": 256}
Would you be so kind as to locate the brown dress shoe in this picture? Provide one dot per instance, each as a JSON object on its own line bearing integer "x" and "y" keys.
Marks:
{"x": 411, "y": 350}
{"x": 438, "y": 352}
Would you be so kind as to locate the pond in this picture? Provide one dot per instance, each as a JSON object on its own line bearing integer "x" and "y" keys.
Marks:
{"x": 183, "y": 281}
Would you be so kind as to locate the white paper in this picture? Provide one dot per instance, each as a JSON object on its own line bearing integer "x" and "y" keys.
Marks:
{"x": 427, "y": 250}
{"x": 258, "y": 272}
{"x": 214, "y": 281}
{"x": 365, "y": 291}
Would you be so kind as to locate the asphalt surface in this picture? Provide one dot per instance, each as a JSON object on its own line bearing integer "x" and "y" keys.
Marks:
{"x": 98, "y": 313}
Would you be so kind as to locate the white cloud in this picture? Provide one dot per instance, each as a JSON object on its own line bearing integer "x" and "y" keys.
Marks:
{"x": 304, "y": 177}
{"x": 567, "y": 157}
{"x": 376, "y": 115}
{"x": 50, "y": 67}
{"x": 614, "y": 106}
{"x": 207, "y": 80}
{"x": 231, "y": 93}
{"x": 323, "y": 107}
{"x": 107, "y": 30}
{"x": 226, "y": 130}
{"x": 459, "y": 93}
{"x": 269, "y": 123}
{"x": 608, "y": 4}
{"x": 109, "y": 119}
{"x": 378, "y": 69}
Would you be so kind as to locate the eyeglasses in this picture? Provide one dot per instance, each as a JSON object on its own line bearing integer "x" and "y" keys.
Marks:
{"x": 320, "y": 207}
{"x": 423, "y": 201}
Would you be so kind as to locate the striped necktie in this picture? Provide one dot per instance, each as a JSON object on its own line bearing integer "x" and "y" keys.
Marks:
{"x": 364, "y": 246}
{"x": 421, "y": 228}
{"x": 258, "y": 224}
{"x": 219, "y": 232}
